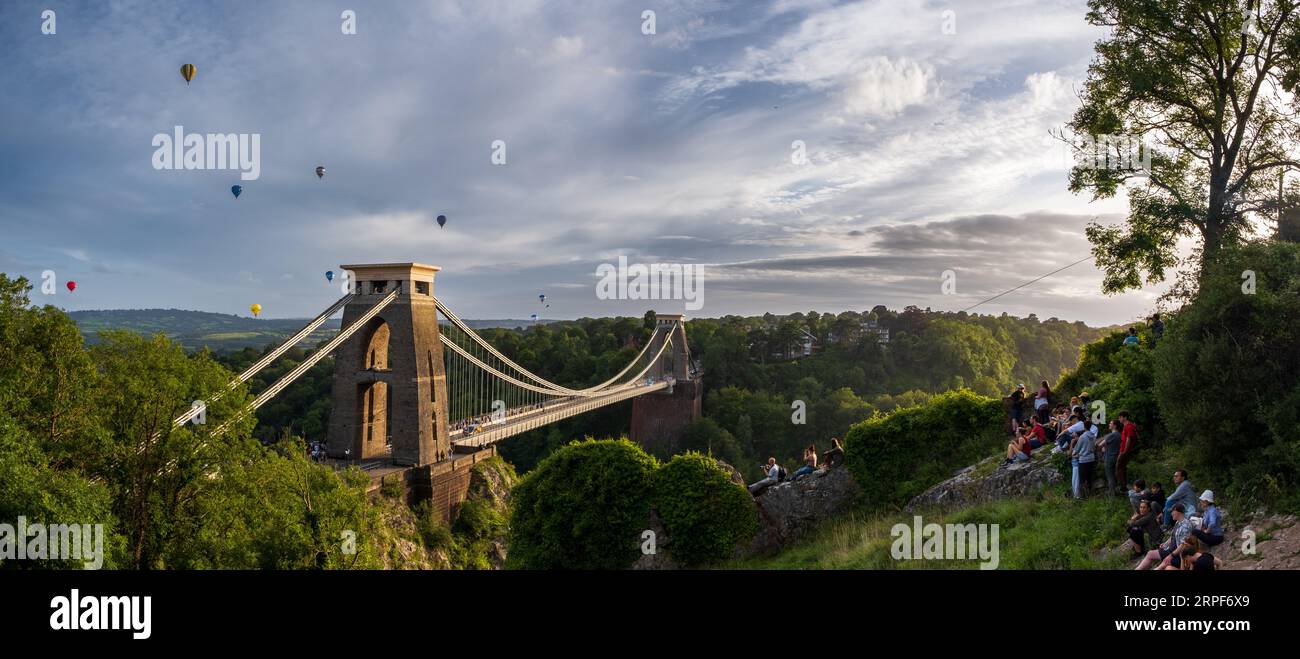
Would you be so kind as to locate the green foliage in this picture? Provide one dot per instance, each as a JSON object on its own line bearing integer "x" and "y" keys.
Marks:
{"x": 391, "y": 486}
{"x": 434, "y": 534}
{"x": 1214, "y": 94}
{"x": 30, "y": 487}
{"x": 1226, "y": 377}
{"x": 1122, "y": 377}
{"x": 705, "y": 514}
{"x": 583, "y": 507}
{"x": 277, "y": 509}
{"x": 897, "y": 456}
{"x": 88, "y": 435}
{"x": 707, "y": 437}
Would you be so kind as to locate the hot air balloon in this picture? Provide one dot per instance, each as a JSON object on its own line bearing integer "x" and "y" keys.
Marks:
{"x": 329, "y": 275}
{"x": 256, "y": 309}
{"x": 534, "y": 317}
{"x": 541, "y": 297}
{"x": 187, "y": 72}
{"x": 442, "y": 220}
{"x": 72, "y": 286}
{"x": 320, "y": 172}
{"x": 236, "y": 189}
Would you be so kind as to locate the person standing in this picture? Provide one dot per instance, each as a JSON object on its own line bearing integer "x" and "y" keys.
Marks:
{"x": 1110, "y": 454}
{"x": 1042, "y": 401}
{"x": 1127, "y": 445}
{"x": 1084, "y": 452}
{"x": 1017, "y": 398}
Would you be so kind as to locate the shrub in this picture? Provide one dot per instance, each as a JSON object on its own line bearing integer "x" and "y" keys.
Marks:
{"x": 1123, "y": 377}
{"x": 897, "y": 456}
{"x": 478, "y": 519}
{"x": 704, "y": 513}
{"x": 583, "y": 507}
{"x": 433, "y": 533}
{"x": 1226, "y": 378}
{"x": 391, "y": 486}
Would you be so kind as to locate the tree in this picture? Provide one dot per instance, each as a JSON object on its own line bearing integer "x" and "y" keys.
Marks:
{"x": 1209, "y": 81}
{"x": 583, "y": 507}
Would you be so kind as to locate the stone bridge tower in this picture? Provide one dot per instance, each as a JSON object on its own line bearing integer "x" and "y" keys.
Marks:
{"x": 660, "y": 419}
{"x": 389, "y": 383}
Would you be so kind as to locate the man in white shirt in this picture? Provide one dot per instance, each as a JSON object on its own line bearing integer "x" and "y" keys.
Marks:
{"x": 1064, "y": 440}
{"x": 773, "y": 475}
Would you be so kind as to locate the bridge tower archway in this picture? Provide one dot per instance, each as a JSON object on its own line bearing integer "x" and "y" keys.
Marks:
{"x": 389, "y": 381}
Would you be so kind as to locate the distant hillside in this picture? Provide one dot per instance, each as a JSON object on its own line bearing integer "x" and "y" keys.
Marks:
{"x": 220, "y": 331}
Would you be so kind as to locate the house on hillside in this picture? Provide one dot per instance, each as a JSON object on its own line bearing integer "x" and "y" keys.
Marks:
{"x": 873, "y": 327}
{"x": 803, "y": 345}
{"x": 865, "y": 328}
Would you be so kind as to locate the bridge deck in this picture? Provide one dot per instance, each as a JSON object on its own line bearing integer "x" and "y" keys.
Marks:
{"x": 495, "y": 432}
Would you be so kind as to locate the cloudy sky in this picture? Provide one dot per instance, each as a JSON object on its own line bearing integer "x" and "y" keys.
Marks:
{"x": 925, "y": 152}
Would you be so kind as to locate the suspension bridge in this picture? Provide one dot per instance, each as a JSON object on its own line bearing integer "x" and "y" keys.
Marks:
{"x": 416, "y": 390}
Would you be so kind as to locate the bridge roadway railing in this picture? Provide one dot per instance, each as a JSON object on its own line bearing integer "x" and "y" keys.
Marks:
{"x": 517, "y": 425}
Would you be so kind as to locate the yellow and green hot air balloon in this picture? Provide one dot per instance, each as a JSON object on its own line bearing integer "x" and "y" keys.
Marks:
{"x": 187, "y": 72}
{"x": 256, "y": 309}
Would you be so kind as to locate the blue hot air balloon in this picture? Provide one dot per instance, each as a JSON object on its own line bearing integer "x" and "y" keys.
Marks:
{"x": 534, "y": 317}
{"x": 329, "y": 275}
{"x": 442, "y": 220}
{"x": 236, "y": 189}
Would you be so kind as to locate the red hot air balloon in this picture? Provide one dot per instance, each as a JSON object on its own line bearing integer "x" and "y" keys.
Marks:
{"x": 72, "y": 286}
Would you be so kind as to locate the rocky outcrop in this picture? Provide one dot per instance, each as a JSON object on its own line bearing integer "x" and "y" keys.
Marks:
{"x": 987, "y": 481}
{"x": 1274, "y": 544}
{"x": 787, "y": 511}
{"x": 659, "y": 560}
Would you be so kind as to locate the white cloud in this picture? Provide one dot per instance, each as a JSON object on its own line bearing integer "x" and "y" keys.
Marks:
{"x": 882, "y": 88}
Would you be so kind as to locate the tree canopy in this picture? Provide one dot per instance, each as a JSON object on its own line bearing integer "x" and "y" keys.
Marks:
{"x": 1210, "y": 84}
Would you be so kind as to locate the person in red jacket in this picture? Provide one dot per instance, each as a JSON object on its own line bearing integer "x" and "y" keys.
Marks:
{"x": 1127, "y": 445}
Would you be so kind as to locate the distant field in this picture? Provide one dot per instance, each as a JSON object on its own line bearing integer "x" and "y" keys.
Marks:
{"x": 220, "y": 332}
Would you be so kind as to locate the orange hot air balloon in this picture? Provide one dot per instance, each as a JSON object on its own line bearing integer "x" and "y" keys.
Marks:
{"x": 187, "y": 72}
{"x": 72, "y": 286}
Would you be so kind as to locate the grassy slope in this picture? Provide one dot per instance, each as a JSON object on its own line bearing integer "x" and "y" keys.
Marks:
{"x": 1046, "y": 532}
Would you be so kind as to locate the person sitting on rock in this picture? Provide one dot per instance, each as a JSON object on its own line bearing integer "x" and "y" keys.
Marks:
{"x": 1184, "y": 494}
{"x": 1157, "y": 496}
{"x": 1065, "y": 439}
{"x": 1169, "y": 553}
{"x": 1019, "y": 449}
{"x": 1140, "y": 493}
{"x": 773, "y": 471}
{"x": 1211, "y": 531}
{"x": 809, "y": 462}
{"x": 1144, "y": 528}
{"x": 834, "y": 456}
{"x": 1200, "y": 559}
{"x": 1185, "y": 553}
{"x": 1037, "y": 435}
